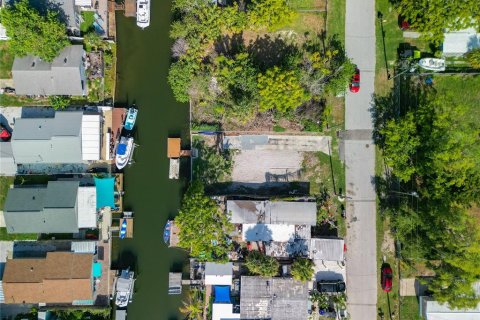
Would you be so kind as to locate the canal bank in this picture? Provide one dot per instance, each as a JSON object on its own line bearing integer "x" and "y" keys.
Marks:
{"x": 143, "y": 62}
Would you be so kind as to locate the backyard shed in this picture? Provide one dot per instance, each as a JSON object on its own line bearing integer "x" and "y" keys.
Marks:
{"x": 218, "y": 273}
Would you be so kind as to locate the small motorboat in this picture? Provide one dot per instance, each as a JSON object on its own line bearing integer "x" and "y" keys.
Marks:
{"x": 130, "y": 119}
{"x": 143, "y": 13}
{"x": 124, "y": 288}
{"x": 167, "y": 232}
{"x": 432, "y": 64}
{"x": 124, "y": 152}
{"x": 123, "y": 229}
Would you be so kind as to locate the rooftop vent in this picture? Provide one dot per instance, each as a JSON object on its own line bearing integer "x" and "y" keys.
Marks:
{"x": 65, "y": 60}
{"x": 33, "y": 64}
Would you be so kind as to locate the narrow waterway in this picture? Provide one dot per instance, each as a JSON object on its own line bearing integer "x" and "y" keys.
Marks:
{"x": 143, "y": 61}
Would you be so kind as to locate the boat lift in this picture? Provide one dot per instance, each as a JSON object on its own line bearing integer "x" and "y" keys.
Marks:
{"x": 125, "y": 230}
{"x": 174, "y": 152}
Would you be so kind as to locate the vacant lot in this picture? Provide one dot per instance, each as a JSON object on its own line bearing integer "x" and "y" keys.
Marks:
{"x": 6, "y": 60}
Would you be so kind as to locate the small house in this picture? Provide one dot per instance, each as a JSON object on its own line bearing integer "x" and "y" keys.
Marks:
{"x": 64, "y": 76}
{"x": 457, "y": 43}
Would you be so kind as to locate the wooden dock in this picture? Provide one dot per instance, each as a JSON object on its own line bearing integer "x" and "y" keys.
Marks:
{"x": 129, "y": 228}
{"x": 174, "y": 283}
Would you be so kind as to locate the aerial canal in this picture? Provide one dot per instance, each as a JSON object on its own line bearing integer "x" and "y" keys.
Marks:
{"x": 143, "y": 61}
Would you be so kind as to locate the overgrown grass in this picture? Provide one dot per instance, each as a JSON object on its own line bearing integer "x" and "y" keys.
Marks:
{"x": 336, "y": 19}
{"x": 5, "y": 183}
{"x": 88, "y": 19}
{"x": 6, "y": 60}
{"x": 110, "y": 59}
{"x": 409, "y": 308}
{"x": 4, "y": 236}
{"x": 20, "y": 101}
{"x": 463, "y": 89}
{"x": 205, "y": 126}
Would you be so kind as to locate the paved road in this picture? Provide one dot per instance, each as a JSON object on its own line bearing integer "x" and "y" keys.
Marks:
{"x": 360, "y": 164}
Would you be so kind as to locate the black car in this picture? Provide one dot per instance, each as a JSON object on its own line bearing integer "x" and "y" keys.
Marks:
{"x": 331, "y": 286}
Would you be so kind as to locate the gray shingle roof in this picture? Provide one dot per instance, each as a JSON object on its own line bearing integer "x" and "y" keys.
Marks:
{"x": 272, "y": 212}
{"x": 218, "y": 269}
{"x": 273, "y": 298}
{"x": 64, "y": 76}
{"x": 7, "y": 163}
{"x": 50, "y": 209}
{"x": 48, "y": 140}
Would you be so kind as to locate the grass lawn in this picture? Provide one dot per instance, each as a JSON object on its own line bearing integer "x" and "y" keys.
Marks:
{"x": 4, "y": 236}
{"x": 464, "y": 89}
{"x": 409, "y": 308}
{"x": 88, "y": 20}
{"x": 6, "y": 60}
{"x": 336, "y": 19}
{"x": 5, "y": 183}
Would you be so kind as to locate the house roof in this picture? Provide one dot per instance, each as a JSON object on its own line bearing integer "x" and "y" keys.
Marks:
{"x": 268, "y": 232}
{"x": 48, "y": 140}
{"x": 432, "y": 310}
{"x": 61, "y": 277}
{"x": 218, "y": 273}
{"x": 50, "y": 209}
{"x": 173, "y": 148}
{"x": 273, "y": 298}
{"x": 327, "y": 249}
{"x": 7, "y": 163}
{"x": 223, "y": 311}
{"x": 461, "y": 41}
{"x": 272, "y": 212}
{"x": 62, "y": 76}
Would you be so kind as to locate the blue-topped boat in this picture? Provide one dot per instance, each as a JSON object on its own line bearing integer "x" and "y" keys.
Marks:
{"x": 131, "y": 118}
{"x": 124, "y": 152}
{"x": 123, "y": 229}
{"x": 167, "y": 232}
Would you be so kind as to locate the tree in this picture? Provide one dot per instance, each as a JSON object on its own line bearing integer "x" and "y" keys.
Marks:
{"x": 59, "y": 102}
{"x": 431, "y": 17}
{"x": 302, "y": 269}
{"x": 280, "y": 90}
{"x": 92, "y": 41}
{"x": 180, "y": 79}
{"x": 473, "y": 57}
{"x": 270, "y": 14}
{"x": 204, "y": 228}
{"x": 262, "y": 265}
{"x": 211, "y": 166}
{"x": 193, "y": 307}
{"x": 32, "y": 33}
{"x": 321, "y": 299}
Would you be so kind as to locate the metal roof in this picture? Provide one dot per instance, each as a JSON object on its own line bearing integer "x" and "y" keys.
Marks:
{"x": 327, "y": 249}
{"x": 7, "y": 162}
{"x": 273, "y": 298}
{"x": 48, "y": 140}
{"x": 50, "y": 209}
{"x": 461, "y": 41}
{"x": 218, "y": 273}
{"x": 83, "y": 246}
{"x": 65, "y": 75}
{"x": 272, "y": 212}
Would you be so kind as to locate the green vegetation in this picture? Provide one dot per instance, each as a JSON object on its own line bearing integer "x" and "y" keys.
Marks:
{"x": 473, "y": 58}
{"x": 110, "y": 64}
{"x": 33, "y": 33}
{"x": 192, "y": 308}
{"x": 204, "y": 228}
{"x": 5, "y": 183}
{"x": 59, "y": 102}
{"x": 409, "y": 308}
{"x": 6, "y": 60}
{"x": 302, "y": 269}
{"x": 431, "y": 17}
{"x": 82, "y": 314}
{"x": 212, "y": 165}
{"x": 336, "y": 19}
{"x": 93, "y": 42}
{"x": 5, "y": 236}
{"x": 88, "y": 20}
{"x": 262, "y": 265}
{"x": 438, "y": 159}
{"x": 270, "y": 14}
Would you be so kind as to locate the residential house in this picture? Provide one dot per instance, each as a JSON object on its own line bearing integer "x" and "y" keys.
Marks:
{"x": 457, "y": 43}
{"x": 273, "y": 298}
{"x": 58, "y": 207}
{"x": 60, "y": 278}
{"x": 65, "y": 75}
{"x": 284, "y": 227}
{"x": 219, "y": 276}
{"x": 7, "y": 164}
{"x": 218, "y": 273}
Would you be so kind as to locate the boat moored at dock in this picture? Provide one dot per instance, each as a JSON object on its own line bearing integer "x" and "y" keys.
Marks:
{"x": 124, "y": 288}
{"x": 143, "y": 13}
{"x": 131, "y": 118}
{"x": 124, "y": 152}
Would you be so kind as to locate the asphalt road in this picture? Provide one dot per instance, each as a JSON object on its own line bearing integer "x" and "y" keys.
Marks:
{"x": 360, "y": 164}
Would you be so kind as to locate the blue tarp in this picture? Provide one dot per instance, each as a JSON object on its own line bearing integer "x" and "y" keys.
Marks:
{"x": 222, "y": 294}
{"x": 105, "y": 188}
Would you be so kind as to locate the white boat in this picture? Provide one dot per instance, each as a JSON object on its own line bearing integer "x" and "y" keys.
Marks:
{"x": 124, "y": 288}
{"x": 130, "y": 119}
{"x": 432, "y": 64}
{"x": 143, "y": 13}
{"x": 124, "y": 152}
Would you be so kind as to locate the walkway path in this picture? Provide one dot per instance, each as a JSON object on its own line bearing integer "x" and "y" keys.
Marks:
{"x": 360, "y": 164}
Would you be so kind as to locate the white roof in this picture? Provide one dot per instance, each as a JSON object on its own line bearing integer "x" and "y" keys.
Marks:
{"x": 83, "y": 3}
{"x": 222, "y": 311}
{"x": 435, "y": 311}
{"x": 83, "y": 246}
{"x": 327, "y": 249}
{"x": 91, "y": 137}
{"x": 87, "y": 207}
{"x": 461, "y": 41}
{"x": 218, "y": 273}
{"x": 268, "y": 232}
{"x": 3, "y": 33}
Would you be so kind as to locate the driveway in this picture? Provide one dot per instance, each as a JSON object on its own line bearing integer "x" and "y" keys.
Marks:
{"x": 360, "y": 164}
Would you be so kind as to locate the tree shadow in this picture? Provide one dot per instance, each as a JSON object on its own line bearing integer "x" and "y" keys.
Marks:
{"x": 267, "y": 52}
{"x": 229, "y": 45}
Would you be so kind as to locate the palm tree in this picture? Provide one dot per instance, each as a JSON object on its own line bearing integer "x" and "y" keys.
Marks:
{"x": 302, "y": 269}
{"x": 258, "y": 263}
{"x": 193, "y": 307}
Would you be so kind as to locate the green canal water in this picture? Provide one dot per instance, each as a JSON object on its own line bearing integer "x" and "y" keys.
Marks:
{"x": 143, "y": 61}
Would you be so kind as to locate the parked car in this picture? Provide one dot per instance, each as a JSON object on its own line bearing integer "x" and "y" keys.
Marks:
{"x": 355, "y": 83}
{"x": 331, "y": 286}
{"x": 387, "y": 277}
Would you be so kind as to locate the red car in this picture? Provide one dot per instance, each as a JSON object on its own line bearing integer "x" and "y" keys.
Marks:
{"x": 387, "y": 276}
{"x": 355, "y": 83}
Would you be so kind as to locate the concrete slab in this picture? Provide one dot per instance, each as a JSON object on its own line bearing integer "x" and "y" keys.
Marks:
{"x": 329, "y": 270}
